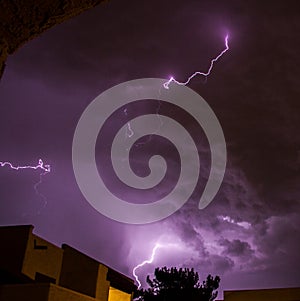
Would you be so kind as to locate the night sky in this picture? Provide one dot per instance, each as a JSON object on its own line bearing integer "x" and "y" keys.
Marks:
{"x": 250, "y": 233}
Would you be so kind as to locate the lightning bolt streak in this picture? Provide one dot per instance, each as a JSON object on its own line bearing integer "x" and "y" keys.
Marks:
{"x": 172, "y": 79}
{"x": 45, "y": 168}
{"x": 148, "y": 261}
{"x": 129, "y": 131}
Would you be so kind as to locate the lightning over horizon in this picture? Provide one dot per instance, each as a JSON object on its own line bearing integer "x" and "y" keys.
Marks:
{"x": 45, "y": 168}
{"x": 129, "y": 131}
{"x": 147, "y": 261}
{"x": 172, "y": 79}
{"x": 151, "y": 259}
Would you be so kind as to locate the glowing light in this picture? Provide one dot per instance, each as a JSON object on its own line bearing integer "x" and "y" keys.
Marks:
{"x": 41, "y": 165}
{"x": 172, "y": 79}
{"x": 45, "y": 168}
{"x": 148, "y": 261}
{"x": 230, "y": 220}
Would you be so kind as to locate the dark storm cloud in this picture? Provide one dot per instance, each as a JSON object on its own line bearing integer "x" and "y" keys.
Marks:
{"x": 236, "y": 247}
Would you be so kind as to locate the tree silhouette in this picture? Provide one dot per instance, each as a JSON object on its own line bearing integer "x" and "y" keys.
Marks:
{"x": 179, "y": 285}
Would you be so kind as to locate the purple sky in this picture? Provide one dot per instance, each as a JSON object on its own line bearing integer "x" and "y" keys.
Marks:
{"x": 250, "y": 234}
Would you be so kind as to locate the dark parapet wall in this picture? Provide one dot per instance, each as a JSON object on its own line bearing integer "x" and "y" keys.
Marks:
{"x": 13, "y": 242}
{"x": 23, "y": 20}
{"x": 120, "y": 282}
{"x": 79, "y": 272}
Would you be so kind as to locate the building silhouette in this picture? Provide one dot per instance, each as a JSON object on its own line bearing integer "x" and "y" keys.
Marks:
{"x": 33, "y": 269}
{"x": 275, "y": 294}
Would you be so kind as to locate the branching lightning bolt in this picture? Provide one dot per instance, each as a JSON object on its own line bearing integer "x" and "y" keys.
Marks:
{"x": 148, "y": 261}
{"x": 172, "y": 79}
{"x": 45, "y": 168}
{"x": 129, "y": 132}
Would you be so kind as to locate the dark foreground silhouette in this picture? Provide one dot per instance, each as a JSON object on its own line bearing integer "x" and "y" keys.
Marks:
{"x": 178, "y": 285}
